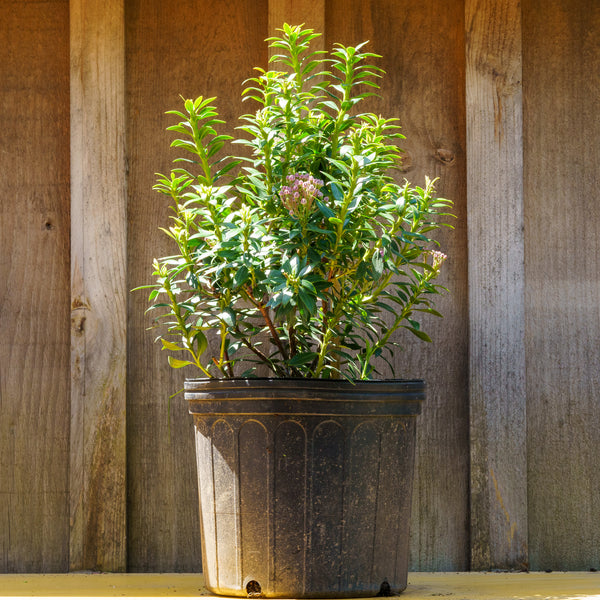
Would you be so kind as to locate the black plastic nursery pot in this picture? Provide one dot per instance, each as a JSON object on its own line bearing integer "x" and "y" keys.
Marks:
{"x": 305, "y": 485}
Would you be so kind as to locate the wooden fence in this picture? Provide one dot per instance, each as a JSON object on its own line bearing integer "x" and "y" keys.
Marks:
{"x": 499, "y": 98}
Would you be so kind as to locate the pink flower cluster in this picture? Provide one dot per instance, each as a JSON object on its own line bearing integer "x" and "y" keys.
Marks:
{"x": 299, "y": 194}
{"x": 437, "y": 258}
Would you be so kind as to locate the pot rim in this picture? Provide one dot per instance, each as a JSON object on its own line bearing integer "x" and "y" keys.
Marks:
{"x": 297, "y": 396}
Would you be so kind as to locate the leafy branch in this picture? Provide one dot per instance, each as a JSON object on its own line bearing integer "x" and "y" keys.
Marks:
{"x": 305, "y": 255}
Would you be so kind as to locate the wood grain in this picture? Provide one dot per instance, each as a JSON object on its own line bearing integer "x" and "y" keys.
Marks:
{"x": 496, "y": 285}
{"x": 561, "y": 67}
{"x": 533, "y": 239}
{"x": 170, "y": 51}
{"x": 98, "y": 286}
{"x": 423, "y": 53}
{"x": 34, "y": 286}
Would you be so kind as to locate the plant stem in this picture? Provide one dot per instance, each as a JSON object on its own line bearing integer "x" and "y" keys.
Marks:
{"x": 323, "y": 352}
{"x": 292, "y": 340}
{"x": 228, "y": 364}
{"x": 265, "y": 313}
{"x": 265, "y": 359}
{"x": 223, "y": 351}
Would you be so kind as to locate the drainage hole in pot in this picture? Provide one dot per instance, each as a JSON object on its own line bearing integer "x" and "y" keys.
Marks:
{"x": 385, "y": 589}
{"x": 253, "y": 589}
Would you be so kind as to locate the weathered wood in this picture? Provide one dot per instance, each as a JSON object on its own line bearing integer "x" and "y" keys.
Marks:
{"x": 496, "y": 284}
{"x": 98, "y": 286}
{"x": 34, "y": 286}
{"x": 561, "y": 75}
{"x": 422, "y": 50}
{"x": 533, "y": 295}
{"x": 170, "y": 51}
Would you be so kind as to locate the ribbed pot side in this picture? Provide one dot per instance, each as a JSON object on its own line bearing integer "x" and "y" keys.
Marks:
{"x": 305, "y": 485}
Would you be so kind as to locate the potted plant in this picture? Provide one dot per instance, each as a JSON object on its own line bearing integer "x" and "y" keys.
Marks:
{"x": 295, "y": 264}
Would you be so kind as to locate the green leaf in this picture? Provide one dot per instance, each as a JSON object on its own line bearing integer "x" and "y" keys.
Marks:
{"x": 431, "y": 311}
{"x": 242, "y": 275}
{"x": 420, "y": 334}
{"x": 336, "y": 190}
{"x": 167, "y": 345}
{"x": 305, "y": 283}
{"x": 325, "y": 210}
{"x": 178, "y": 364}
{"x": 329, "y": 104}
{"x": 228, "y": 317}
{"x": 201, "y": 340}
{"x": 302, "y": 358}
{"x": 308, "y": 301}
{"x": 377, "y": 263}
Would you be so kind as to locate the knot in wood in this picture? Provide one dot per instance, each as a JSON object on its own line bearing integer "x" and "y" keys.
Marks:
{"x": 445, "y": 156}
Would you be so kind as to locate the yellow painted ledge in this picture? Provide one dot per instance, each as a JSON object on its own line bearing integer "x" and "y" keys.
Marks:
{"x": 421, "y": 586}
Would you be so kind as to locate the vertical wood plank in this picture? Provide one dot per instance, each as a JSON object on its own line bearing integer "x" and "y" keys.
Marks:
{"x": 98, "y": 286}
{"x": 170, "y": 51}
{"x": 496, "y": 284}
{"x": 34, "y": 286}
{"x": 561, "y": 77}
{"x": 422, "y": 50}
